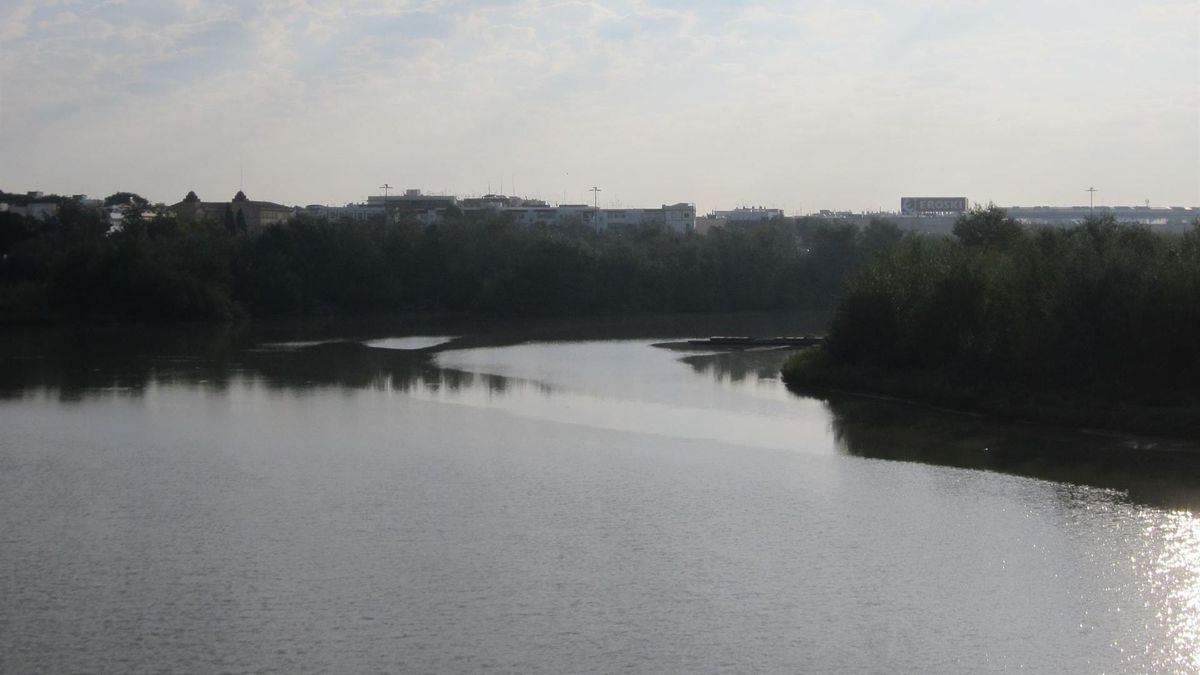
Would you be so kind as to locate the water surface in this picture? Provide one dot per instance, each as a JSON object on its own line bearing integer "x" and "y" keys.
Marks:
{"x": 563, "y": 497}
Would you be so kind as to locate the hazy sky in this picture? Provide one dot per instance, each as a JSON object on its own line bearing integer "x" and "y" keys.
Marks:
{"x": 798, "y": 105}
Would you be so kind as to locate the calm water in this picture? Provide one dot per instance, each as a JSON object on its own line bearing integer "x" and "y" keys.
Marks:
{"x": 565, "y": 497}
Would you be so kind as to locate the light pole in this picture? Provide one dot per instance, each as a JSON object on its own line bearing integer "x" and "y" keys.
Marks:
{"x": 595, "y": 207}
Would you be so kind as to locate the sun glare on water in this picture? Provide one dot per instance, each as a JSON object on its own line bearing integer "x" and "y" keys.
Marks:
{"x": 1175, "y": 577}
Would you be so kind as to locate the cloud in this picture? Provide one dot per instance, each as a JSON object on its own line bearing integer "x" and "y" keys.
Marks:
{"x": 686, "y": 98}
{"x": 14, "y": 20}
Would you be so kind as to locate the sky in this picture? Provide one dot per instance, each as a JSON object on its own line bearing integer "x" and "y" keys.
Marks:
{"x": 800, "y": 105}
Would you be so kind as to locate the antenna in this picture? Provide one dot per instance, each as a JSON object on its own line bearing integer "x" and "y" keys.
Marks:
{"x": 1091, "y": 193}
{"x": 385, "y": 187}
{"x": 595, "y": 197}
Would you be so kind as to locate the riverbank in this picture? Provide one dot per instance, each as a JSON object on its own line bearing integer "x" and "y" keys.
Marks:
{"x": 812, "y": 371}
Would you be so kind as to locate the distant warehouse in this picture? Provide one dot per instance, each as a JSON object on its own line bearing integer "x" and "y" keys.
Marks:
{"x": 932, "y": 206}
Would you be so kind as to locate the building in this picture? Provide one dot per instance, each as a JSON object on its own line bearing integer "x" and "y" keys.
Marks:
{"x": 42, "y": 211}
{"x": 413, "y": 204}
{"x": 240, "y": 213}
{"x": 739, "y": 215}
{"x": 356, "y": 212}
{"x": 679, "y": 217}
{"x": 1166, "y": 218}
{"x": 933, "y": 206}
{"x": 938, "y": 215}
{"x": 498, "y": 202}
{"x": 114, "y": 215}
{"x": 746, "y": 214}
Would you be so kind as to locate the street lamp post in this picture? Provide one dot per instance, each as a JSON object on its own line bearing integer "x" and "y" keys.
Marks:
{"x": 595, "y": 207}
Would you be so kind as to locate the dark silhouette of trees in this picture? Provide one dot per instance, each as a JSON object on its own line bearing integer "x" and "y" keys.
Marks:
{"x": 126, "y": 199}
{"x": 1100, "y": 306}
{"x": 987, "y": 226}
{"x": 160, "y": 268}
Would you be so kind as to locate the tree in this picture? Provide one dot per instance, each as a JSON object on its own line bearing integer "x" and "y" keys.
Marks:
{"x": 126, "y": 199}
{"x": 881, "y": 234}
{"x": 987, "y": 227}
{"x": 13, "y": 229}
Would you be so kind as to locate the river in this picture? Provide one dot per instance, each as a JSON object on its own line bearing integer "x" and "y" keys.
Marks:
{"x": 420, "y": 495}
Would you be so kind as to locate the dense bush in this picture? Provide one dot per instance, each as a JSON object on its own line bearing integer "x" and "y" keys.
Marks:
{"x": 161, "y": 269}
{"x": 1095, "y": 307}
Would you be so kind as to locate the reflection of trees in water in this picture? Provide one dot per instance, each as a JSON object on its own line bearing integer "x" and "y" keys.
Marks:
{"x": 340, "y": 364}
{"x": 354, "y": 365}
{"x": 72, "y": 364}
{"x": 1157, "y": 473}
{"x": 68, "y": 362}
{"x": 72, "y": 361}
{"x": 736, "y": 366}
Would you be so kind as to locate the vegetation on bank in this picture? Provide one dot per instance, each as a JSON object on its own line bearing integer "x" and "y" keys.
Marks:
{"x": 1096, "y": 325}
{"x": 155, "y": 268}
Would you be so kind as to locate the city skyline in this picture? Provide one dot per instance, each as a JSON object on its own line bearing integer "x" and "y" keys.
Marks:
{"x": 799, "y": 106}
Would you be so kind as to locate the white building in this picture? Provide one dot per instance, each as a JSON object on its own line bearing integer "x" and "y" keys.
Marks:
{"x": 680, "y": 217}
{"x": 747, "y": 214}
{"x": 677, "y": 217}
{"x": 38, "y": 210}
{"x": 356, "y": 212}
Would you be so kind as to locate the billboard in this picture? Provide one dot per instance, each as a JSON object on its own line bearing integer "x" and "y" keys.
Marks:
{"x": 913, "y": 206}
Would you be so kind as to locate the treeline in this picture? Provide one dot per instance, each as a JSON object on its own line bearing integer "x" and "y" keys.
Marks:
{"x": 1100, "y": 311}
{"x": 160, "y": 269}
